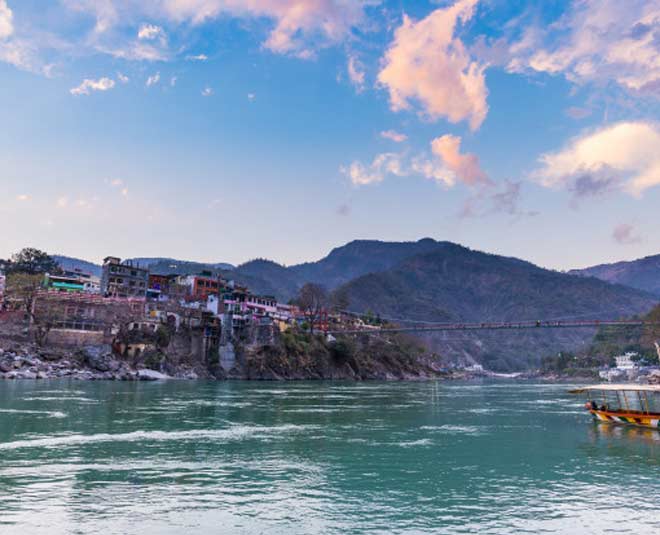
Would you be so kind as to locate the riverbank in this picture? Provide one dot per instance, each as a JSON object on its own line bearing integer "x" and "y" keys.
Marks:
{"x": 290, "y": 357}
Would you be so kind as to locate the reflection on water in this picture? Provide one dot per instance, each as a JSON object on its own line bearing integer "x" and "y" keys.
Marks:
{"x": 414, "y": 458}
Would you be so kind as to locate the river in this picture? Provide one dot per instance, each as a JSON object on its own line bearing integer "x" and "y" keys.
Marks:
{"x": 184, "y": 457}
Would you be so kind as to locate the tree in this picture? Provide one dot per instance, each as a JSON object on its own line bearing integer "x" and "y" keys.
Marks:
{"x": 312, "y": 301}
{"x": 31, "y": 261}
{"x": 24, "y": 288}
{"x": 340, "y": 300}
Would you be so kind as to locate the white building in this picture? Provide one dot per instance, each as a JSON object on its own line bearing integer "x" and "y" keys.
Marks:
{"x": 626, "y": 362}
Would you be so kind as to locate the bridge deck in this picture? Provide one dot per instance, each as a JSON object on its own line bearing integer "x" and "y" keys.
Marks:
{"x": 510, "y": 325}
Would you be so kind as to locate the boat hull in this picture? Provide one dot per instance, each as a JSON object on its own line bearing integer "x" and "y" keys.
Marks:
{"x": 625, "y": 418}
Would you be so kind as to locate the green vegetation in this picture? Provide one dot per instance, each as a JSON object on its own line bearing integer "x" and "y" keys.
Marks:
{"x": 32, "y": 261}
{"x": 607, "y": 343}
{"x": 299, "y": 354}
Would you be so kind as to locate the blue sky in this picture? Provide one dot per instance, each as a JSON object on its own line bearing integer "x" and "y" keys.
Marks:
{"x": 223, "y": 130}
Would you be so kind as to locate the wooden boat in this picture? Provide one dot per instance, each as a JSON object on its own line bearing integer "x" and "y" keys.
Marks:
{"x": 627, "y": 404}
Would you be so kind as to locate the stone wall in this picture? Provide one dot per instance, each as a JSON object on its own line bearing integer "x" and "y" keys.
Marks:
{"x": 74, "y": 338}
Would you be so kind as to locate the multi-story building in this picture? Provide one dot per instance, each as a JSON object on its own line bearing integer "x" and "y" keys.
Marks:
{"x": 200, "y": 287}
{"x": 158, "y": 287}
{"x": 123, "y": 279}
{"x": 73, "y": 281}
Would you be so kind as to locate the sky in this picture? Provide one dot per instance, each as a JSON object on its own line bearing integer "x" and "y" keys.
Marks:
{"x": 225, "y": 130}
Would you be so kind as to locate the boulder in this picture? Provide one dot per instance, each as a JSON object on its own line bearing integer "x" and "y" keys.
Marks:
{"x": 151, "y": 375}
{"x": 99, "y": 357}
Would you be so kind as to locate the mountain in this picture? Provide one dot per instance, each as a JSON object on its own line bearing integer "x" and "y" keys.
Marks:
{"x": 454, "y": 283}
{"x": 268, "y": 278}
{"x": 179, "y": 267}
{"x": 358, "y": 258}
{"x": 69, "y": 263}
{"x": 643, "y": 274}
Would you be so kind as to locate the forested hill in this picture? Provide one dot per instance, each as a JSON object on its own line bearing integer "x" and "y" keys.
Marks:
{"x": 643, "y": 274}
{"x": 457, "y": 284}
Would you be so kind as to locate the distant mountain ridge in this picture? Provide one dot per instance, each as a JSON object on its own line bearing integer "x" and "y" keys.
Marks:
{"x": 643, "y": 273}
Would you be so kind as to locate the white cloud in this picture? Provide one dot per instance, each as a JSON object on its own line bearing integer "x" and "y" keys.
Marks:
{"x": 251, "y": 97}
{"x": 426, "y": 64}
{"x": 383, "y": 164}
{"x": 135, "y": 51}
{"x": 153, "y": 80}
{"x": 393, "y": 135}
{"x": 149, "y": 32}
{"x": 122, "y": 78}
{"x": 207, "y": 92}
{"x": 623, "y": 156}
{"x": 23, "y": 197}
{"x": 88, "y": 85}
{"x": 356, "y": 73}
{"x": 445, "y": 164}
{"x": 198, "y": 57}
{"x": 6, "y": 20}
{"x": 626, "y": 234}
{"x": 465, "y": 167}
{"x": 300, "y": 26}
{"x": 22, "y": 51}
{"x": 597, "y": 40}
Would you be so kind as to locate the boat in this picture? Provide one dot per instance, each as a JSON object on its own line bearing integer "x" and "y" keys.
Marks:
{"x": 626, "y": 404}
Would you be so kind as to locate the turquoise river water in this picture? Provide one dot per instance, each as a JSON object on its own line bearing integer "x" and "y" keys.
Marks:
{"x": 328, "y": 458}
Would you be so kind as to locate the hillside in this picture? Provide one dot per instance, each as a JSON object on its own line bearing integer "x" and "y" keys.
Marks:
{"x": 643, "y": 274}
{"x": 70, "y": 264}
{"x": 360, "y": 257}
{"x": 457, "y": 284}
{"x": 159, "y": 264}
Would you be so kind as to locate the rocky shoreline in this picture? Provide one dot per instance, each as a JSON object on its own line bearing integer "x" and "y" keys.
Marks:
{"x": 93, "y": 363}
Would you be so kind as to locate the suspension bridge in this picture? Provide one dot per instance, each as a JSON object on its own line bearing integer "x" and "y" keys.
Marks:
{"x": 421, "y": 327}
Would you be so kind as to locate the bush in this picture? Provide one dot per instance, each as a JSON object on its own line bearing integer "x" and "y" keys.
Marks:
{"x": 342, "y": 350}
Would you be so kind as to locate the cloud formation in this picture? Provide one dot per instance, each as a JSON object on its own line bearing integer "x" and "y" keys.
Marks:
{"x": 198, "y": 57}
{"x": 626, "y": 234}
{"x": 386, "y": 163}
{"x": 356, "y": 73}
{"x": 393, "y": 135}
{"x": 623, "y": 156}
{"x": 597, "y": 40}
{"x": 426, "y": 64}
{"x": 153, "y": 79}
{"x": 6, "y": 20}
{"x": 150, "y": 32}
{"x": 445, "y": 164}
{"x": 300, "y": 26}
{"x": 465, "y": 167}
{"x": 88, "y": 85}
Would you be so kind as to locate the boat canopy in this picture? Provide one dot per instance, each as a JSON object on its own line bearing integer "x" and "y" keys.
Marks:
{"x": 617, "y": 388}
